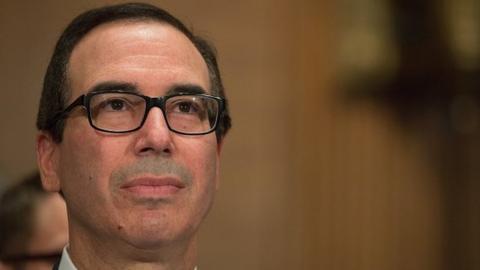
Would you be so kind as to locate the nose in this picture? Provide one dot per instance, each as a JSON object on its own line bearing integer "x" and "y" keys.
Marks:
{"x": 154, "y": 137}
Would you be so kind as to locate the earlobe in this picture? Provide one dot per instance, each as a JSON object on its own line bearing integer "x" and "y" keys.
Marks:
{"x": 219, "y": 150}
{"x": 220, "y": 146}
{"x": 47, "y": 160}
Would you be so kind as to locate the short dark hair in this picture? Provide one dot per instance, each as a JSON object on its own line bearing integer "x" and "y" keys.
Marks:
{"x": 17, "y": 209}
{"x": 55, "y": 85}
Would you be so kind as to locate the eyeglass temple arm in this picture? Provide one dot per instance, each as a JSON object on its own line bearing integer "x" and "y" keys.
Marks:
{"x": 80, "y": 101}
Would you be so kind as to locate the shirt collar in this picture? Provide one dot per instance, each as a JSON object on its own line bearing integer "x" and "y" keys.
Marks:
{"x": 66, "y": 263}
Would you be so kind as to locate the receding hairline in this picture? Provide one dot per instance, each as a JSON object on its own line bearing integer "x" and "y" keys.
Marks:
{"x": 125, "y": 22}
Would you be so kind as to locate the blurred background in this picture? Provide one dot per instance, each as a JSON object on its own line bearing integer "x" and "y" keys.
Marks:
{"x": 356, "y": 125}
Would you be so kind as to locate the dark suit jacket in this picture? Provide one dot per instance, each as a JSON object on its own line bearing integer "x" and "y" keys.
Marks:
{"x": 55, "y": 266}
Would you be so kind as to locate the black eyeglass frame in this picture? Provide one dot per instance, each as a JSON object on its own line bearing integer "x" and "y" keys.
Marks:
{"x": 150, "y": 102}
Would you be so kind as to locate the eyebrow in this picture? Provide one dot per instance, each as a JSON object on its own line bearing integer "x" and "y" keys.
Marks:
{"x": 132, "y": 88}
{"x": 185, "y": 89}
{"x": 114, "y": 85}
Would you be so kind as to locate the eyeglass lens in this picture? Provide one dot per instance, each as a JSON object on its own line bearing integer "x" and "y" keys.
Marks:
{"x": 120, "y": 112}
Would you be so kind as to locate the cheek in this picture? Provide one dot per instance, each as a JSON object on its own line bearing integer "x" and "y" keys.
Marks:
{"x": 87, "y": 159}
{"x": 203, "y": 162}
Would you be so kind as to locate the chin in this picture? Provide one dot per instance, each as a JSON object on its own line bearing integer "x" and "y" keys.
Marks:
{"x": 155, "y": 235}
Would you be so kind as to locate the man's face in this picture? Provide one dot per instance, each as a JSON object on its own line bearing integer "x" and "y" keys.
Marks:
{"x": 147, "y": 187}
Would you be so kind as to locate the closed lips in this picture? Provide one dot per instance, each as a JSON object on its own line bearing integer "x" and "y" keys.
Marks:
{"x": 153, "y": 182}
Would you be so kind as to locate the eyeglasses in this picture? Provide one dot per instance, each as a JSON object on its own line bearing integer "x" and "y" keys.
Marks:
{"x": 116, "y": 111}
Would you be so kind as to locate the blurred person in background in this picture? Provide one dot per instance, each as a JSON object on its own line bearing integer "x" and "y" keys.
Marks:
{"x": 3, "y": 182}
{"x": 33, "y": 226}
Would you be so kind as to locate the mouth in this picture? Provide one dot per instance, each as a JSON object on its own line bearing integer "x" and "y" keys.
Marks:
{"x": 153, "y": 187}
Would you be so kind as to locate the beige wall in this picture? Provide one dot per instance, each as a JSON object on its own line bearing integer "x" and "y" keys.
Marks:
{"x": 308, "y": 180}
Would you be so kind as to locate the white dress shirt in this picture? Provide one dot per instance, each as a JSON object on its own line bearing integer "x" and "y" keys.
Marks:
{"x": 66, "y": 263}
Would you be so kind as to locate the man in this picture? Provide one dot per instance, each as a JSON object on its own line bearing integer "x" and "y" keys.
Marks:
{"x": 132, "y": 120}
{"x": 33, "y": 226}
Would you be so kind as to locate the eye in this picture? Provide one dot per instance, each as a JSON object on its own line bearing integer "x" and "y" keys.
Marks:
{"x": 183, "y": 106}
{"x": 114, "y": 104}
{"x": 186, "y": 107}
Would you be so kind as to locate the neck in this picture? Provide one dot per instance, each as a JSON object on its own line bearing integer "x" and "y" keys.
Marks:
{"x": 96, "y": 253}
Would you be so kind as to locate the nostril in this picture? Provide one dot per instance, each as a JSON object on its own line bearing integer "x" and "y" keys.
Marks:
{"x": 147, "y": 150}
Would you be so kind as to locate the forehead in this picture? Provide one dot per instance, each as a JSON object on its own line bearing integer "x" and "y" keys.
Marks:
{"x": 139, "y": 52}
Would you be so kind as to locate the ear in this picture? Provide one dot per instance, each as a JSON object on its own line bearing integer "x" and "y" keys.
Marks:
{"x": 219, "y": 151}
{"x": 47, "y": 161}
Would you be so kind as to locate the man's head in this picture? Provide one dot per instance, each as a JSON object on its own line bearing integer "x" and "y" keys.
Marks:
{"x": 56, "y": 88}
{"x": 33, "y": 226}
{"x": 145, "y": 180}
